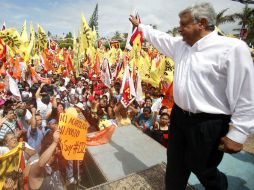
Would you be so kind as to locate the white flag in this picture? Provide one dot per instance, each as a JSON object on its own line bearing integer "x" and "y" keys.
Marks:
{"x": 106, "y": 73}
{"x": 13, "y": 86}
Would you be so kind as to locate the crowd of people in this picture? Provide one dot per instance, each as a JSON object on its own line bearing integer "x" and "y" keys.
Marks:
{"x": 33, "y": 120}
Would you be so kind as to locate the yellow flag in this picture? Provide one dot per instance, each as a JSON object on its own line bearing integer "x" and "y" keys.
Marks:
{"x": 86, "y": 34}
{"x": 9, "y": 162}
{"x": 59, "y": 70}
{"x": 23, "y": 47}
{"x": 154, "y": 74}
{"x": 11, "y": 37}
{"x": 23, "y": 34}
{"x": 91, "y": 53}
{"x": 42, "y": 39}
{"x": 112, "y": 56}
{"x": 144, "y": 66}
{"x": 30, "y": 45}
{"x": 60, "y": 55}
{"x": 169, "y": 70}
{"x": 135, "y": 51}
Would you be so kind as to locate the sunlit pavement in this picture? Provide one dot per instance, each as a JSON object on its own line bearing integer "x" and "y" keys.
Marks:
{"x": 239, "y": 169}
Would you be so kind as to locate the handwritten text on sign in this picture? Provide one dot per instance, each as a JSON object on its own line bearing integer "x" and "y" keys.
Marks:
{"x": 73, "y": 137}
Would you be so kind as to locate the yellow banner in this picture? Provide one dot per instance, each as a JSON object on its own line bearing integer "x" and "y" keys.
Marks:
{"x": 73, "y": 137}
{"x": 9, "y": 162}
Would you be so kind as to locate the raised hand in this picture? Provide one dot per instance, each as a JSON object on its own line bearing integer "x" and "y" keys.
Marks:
{"x": 56, "y": 136}
{"x": 134, "y": 20}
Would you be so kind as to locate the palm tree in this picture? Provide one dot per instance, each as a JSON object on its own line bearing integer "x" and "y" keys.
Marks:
{"x": 221, "y": 19}
{"x": 246, "y": 18}
{"x": 117, "y": 35}
{"x": 174, "y": 31}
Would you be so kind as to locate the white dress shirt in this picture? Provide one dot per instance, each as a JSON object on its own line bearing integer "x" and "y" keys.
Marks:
{"x": 215, "y": 75}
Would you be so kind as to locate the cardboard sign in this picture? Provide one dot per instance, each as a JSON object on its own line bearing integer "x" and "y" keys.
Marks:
{"x": 73, "y": 137}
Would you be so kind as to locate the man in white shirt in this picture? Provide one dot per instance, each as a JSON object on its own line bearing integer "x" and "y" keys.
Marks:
{"x": 213, "y": 88}
{"x": 44, "y": 106}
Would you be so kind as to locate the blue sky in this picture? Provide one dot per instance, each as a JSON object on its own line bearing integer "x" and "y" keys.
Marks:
{"x": 62, "y": 16}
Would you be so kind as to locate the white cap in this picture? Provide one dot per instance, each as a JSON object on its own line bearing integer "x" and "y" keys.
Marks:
{"x": 62, "y": 88}
{"x": 79, "y": 105}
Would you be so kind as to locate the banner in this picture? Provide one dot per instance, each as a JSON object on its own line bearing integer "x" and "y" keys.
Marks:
{"x": 127, "y": 89}
{"x": 103, "y": 136}
{"x": 73, "y": 137}
{"x": 9, "y": 163}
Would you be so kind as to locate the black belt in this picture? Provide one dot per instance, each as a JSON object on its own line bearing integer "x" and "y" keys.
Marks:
{"x": 201, "y": 114}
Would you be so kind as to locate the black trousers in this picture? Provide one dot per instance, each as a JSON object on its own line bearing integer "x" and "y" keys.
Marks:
{"x": 193, "y": 147}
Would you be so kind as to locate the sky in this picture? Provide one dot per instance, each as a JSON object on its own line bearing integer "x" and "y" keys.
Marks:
{"x": 63, "y": 16}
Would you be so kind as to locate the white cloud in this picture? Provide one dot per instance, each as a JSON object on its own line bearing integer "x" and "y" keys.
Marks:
{"x": 64, "y": 16}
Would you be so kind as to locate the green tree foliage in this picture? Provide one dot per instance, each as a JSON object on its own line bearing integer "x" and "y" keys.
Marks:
{"x": 68, "y": 35}
{"x": 117, "y": 35}
{"x": 93, "y": 22}
{"x": 246, "y": 20}
{"x": 49, "y": 34}
{"x": 222, "y": 19}
{"x": 66, "y": 42}
{"x": 174, "y": 31}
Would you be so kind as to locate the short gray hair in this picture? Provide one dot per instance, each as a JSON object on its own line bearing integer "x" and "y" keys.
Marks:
{"x": 202, "y": 10}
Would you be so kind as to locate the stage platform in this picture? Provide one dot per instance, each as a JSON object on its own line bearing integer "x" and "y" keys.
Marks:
{"x": 129, "y": 151}
{"x": 149, "y": 179}
{"x": 131, "y": 156}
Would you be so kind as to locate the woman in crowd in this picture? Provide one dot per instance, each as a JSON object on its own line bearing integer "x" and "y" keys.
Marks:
{"x": 160, "y": 129}
{"x": 45, "y": 174}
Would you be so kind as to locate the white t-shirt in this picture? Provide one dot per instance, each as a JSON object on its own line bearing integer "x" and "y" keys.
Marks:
{"x": 43, "y": 110}
{"x": 25, "y": 120}
{"x": 3, "y": 150}
{"x": 66, "y": 80}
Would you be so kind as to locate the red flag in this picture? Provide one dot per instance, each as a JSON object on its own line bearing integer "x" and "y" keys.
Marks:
{"x": 136, "y": 32}
{"x": 47, "y": 65}
{"x": 101, "y": 137}
{"x": 115, "y": 44}
{"x": 52, "y": 45}
{"x": 16, "y": 69}
{"x": 69, "y": 64}
{"x": 127, "y": 89}
{"x": 36, "y": 77}
{"x": 118, "y": 68}
{"x": 97, "y": 64}
{"x": 168, "y": 99}
{"x": 22, "y": 161}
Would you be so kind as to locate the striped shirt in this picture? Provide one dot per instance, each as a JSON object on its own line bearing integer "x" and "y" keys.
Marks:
{"x": 6, "y": 128}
